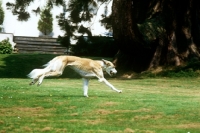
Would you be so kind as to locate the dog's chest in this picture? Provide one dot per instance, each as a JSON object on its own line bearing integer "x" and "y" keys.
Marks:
{"x": 83, "y": 73}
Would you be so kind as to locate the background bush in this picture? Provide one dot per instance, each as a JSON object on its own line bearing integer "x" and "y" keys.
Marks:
{"x": 95, "y": 46}
{"x": 5, "y": 47}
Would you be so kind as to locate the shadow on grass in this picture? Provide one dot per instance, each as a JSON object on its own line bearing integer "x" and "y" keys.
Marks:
{"x": 19, "y": 65}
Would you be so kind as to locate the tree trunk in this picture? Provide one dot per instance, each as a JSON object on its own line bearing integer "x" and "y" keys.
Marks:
{"x": 179, "y": 43}
{"x": 132, "y": 54}
{"x": 181, "y": 38}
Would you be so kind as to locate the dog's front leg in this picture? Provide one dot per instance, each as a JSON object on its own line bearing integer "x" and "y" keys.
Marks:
{"x": 85, "y": 87}
{"x": 109, "y": 85}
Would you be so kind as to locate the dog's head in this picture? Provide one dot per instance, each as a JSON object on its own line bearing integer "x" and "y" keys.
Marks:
{"x": 109, "y": 67}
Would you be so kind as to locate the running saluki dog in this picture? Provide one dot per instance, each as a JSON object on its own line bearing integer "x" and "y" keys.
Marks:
{"x": 87, "y": 68}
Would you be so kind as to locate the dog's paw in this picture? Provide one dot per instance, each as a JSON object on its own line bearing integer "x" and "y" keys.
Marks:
{"x": 86, "y": 95}
{"x": 32, "y": 83}
{"x": 120, "y": 91}
{"x": 100, "y": 80}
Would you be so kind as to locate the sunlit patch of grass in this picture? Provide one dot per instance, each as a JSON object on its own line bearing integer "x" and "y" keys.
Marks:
{"x": 145, "y": 106}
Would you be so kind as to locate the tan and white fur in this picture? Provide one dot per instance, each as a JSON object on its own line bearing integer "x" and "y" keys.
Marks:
{"x": 87, "y": 68}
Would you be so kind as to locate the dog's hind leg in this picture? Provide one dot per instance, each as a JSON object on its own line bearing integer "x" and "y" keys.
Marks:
{"x": 48, "y": 74}
{"x": 53, "y": 74}
{"x": 85, "y": 87}
{"x": 110, "y": 85}
{"x": 40, "y": 80}
{"x": 33, "y": 81}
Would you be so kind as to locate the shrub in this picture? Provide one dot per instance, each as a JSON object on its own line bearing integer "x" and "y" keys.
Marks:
{"x": 5, "y": 47}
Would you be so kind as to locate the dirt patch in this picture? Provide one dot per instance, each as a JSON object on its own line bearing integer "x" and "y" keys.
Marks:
{"x": 108, "y": 104}
{"x": 73, "y": 120}
{"x": 61, "y": 131}
{"x": 2, "y": 131}
{"x": 180, "y": 126}
{"x": 60, "y": 103}
{"x": 108, "y": 112}
{"x": 36, "y": 109}
{"x": 46, "y": 129}
{"x": 142, "y": 110}
{"x": 99, "y": 112}
{"x": 94, "y": 122}
{"x": 11, "y": 111}
{"x": 127, "y": 75}
{"x": 74, "y": 114}
{"x": 1, "y": 122}
{"x": 41, "y": 120}
{"x": 147, "y": 117}
{"x": 87, "y": 121}
{"x": 27, "y": 129}
{"x": 25, "y": 111}
{"x": 133, "y": 111}
{"x": 103, "y": 112}
{"x": 129, "y": 130}
{"x": 72, "y": 107}
{"x": 98, "y": 131}
{"x": 189, "y": 125}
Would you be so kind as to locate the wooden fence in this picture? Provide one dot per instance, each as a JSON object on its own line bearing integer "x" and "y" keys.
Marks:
{"x": 38, "y": 45}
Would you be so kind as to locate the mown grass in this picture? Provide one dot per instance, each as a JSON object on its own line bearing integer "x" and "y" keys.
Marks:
{"x": 147, "y": 105}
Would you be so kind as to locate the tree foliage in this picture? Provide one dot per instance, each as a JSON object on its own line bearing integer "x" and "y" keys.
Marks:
{"x": 2, "y": 14}
{"x": 80, "y": 11}
{"x": 19, "y": 9}
{"x": 45, "y": 24}
{"x": 95, "y": 46}
{"x": 147, "y": 33}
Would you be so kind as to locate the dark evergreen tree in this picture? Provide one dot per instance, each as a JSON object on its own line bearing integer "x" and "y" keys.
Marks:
{"x": 1, "y": 14}
{"x": 45, "y": 24}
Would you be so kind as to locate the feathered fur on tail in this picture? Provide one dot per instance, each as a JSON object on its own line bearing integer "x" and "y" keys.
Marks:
{"x": 53, "y": 65}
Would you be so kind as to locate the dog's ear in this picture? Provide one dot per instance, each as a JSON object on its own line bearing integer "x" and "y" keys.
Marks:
{"x": 105, "y": 61}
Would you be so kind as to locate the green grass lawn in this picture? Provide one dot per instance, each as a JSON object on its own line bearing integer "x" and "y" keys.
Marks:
{"x": 145, "y": 106}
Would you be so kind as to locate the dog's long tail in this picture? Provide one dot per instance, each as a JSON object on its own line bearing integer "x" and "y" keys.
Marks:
{"x": 54, "y": 65}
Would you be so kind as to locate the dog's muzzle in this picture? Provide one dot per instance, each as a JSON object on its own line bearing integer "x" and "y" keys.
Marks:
{"x": 113, "y": 72}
